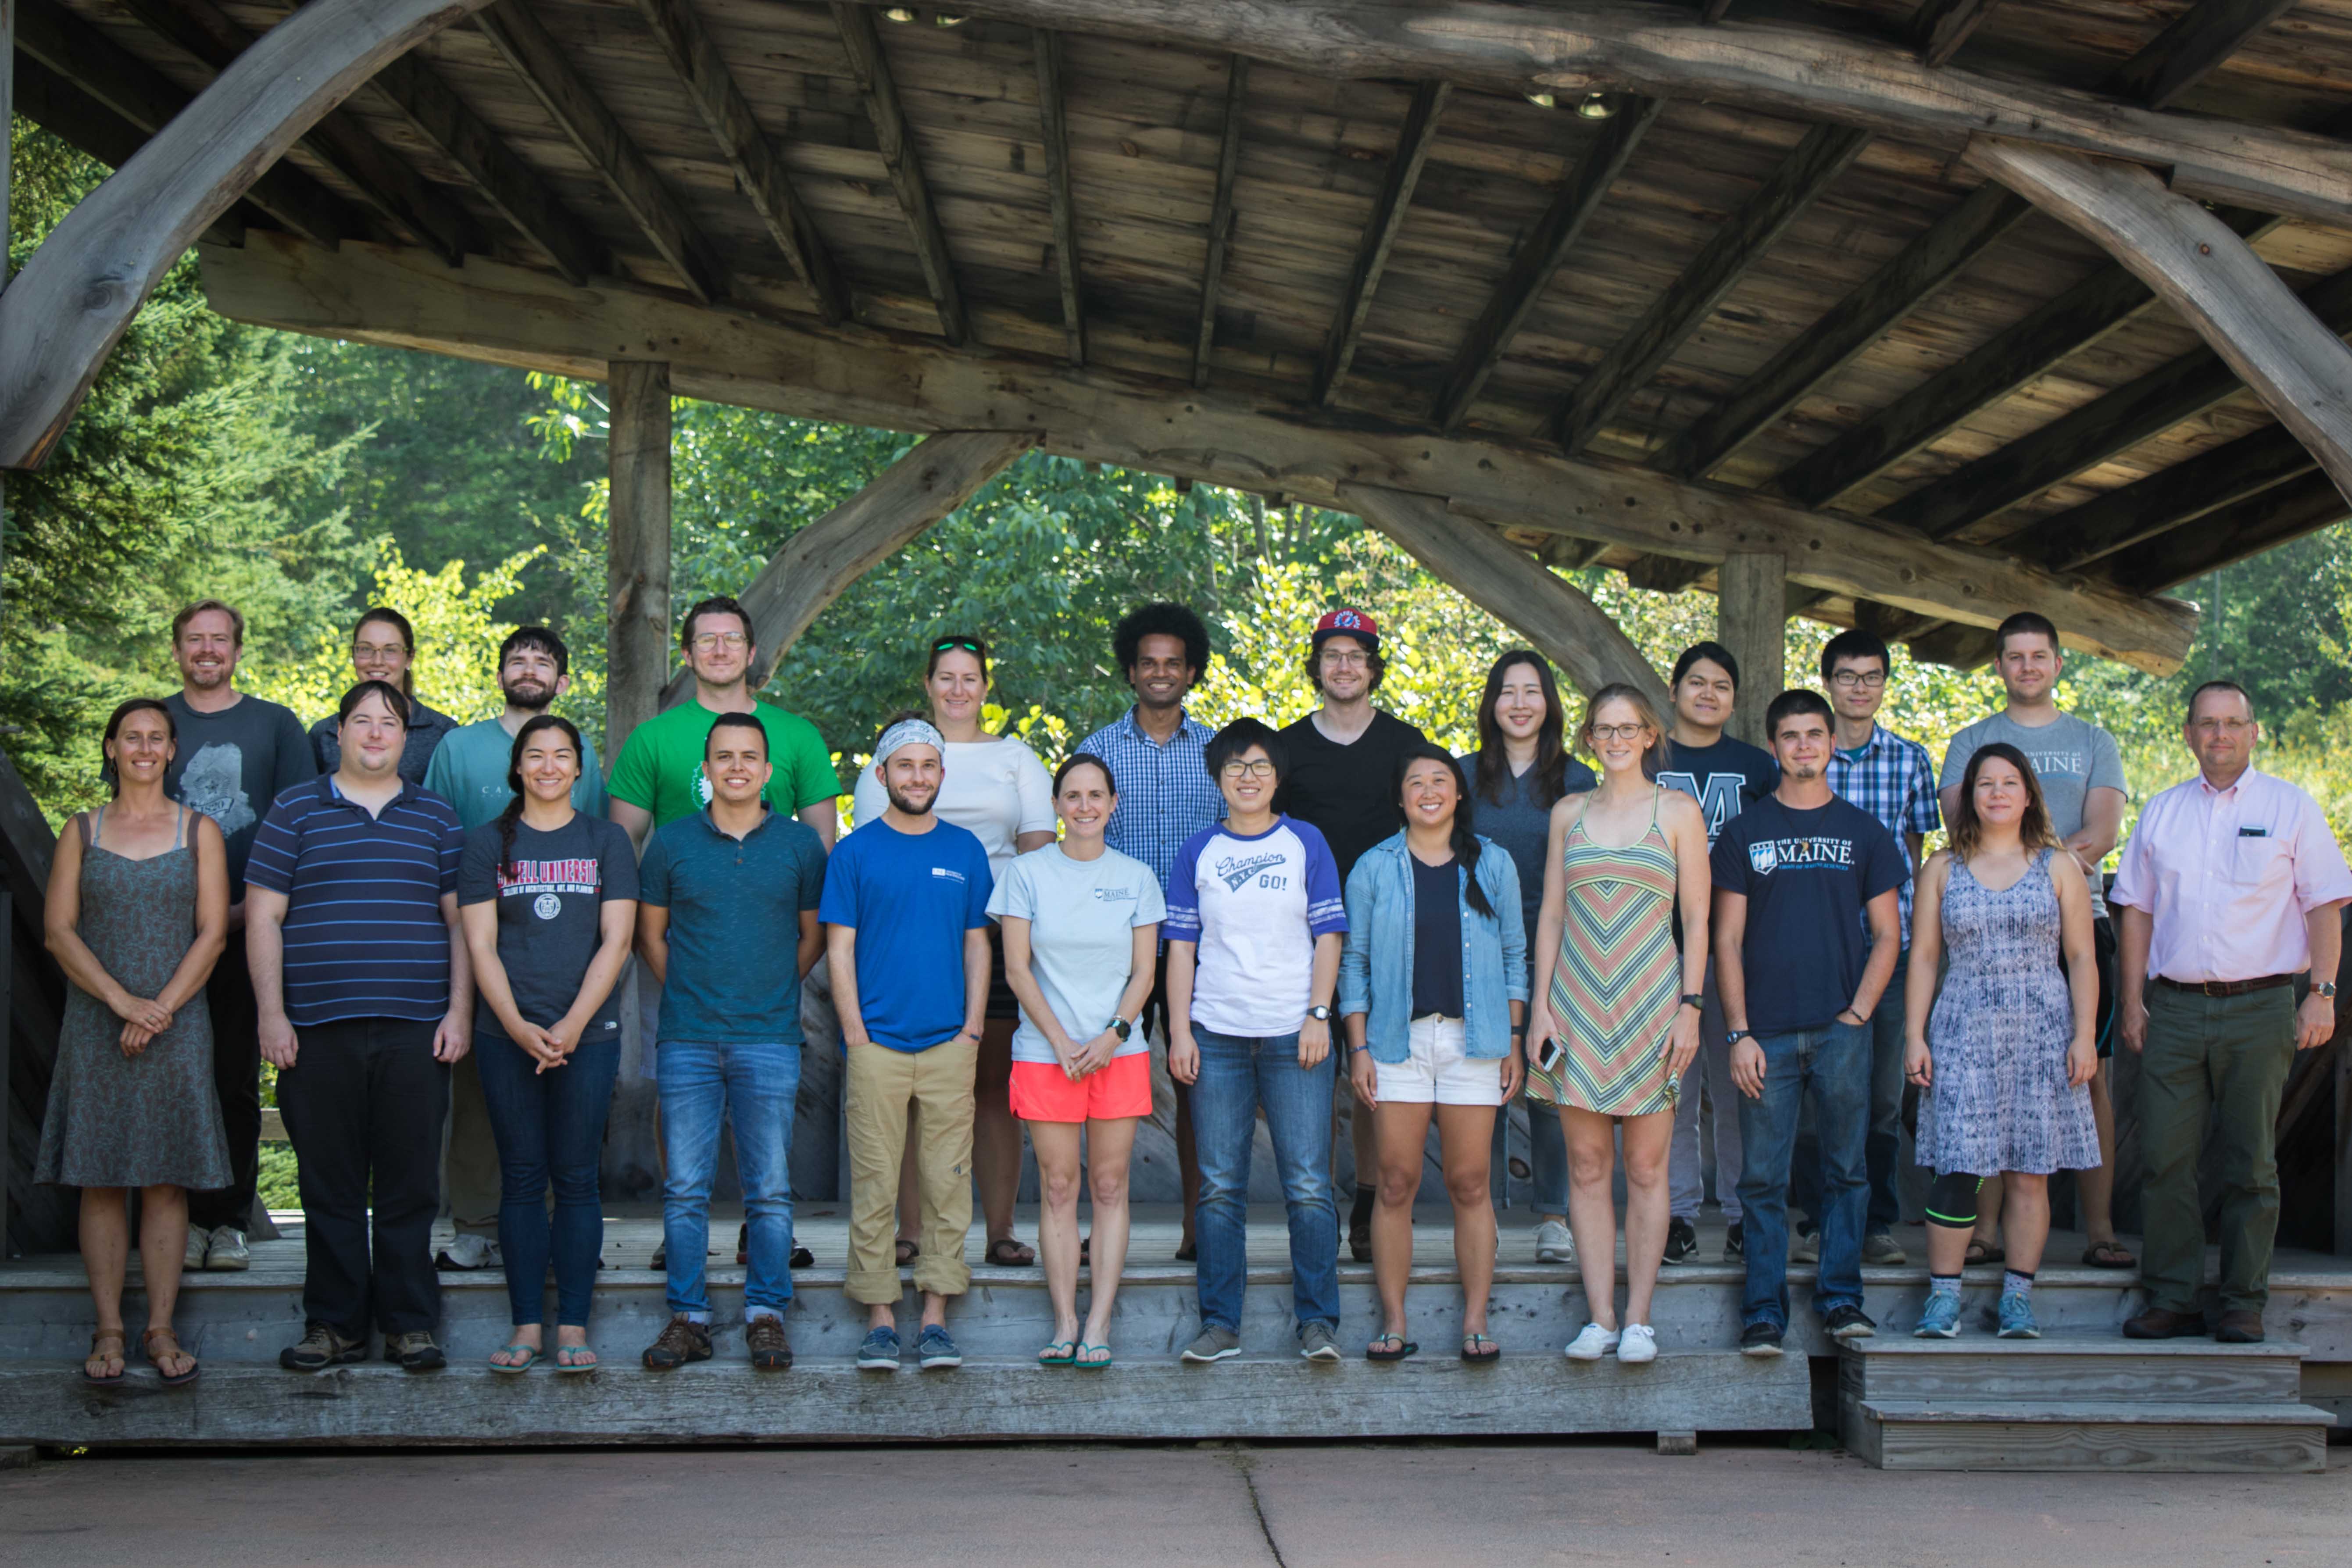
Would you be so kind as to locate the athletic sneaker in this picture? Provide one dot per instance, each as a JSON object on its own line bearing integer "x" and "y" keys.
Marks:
{"x": 1805, "y": 1246}
{"x": 1317, "y": 1342}
{"x": 1882, "y": 1249}
{"x": 1735, "y": 1243}
{"x": 682, "y": 1340}
{"x": 320, "y": 1347}
{"x": 1213, "y": 1343}
{"x": 1682, "y": 1240}
{"x": 935, "y": 1350}
{"x": 2017, "y": 1317}
{"x": 880, "y": 1351}
{"x": 1555, "y": 1243}
{"x": 1637, "y": 1345}
{"x": 1941, "y": 1319}
{"x": 225, "y": 1249}
{"x": 1846, "y": 1324}
{"x": 194, "y": 1259}
{"x": 1591, "y": 1343}
{"x": 467, "y": 1251}
{"x": 1760, "y": 1339}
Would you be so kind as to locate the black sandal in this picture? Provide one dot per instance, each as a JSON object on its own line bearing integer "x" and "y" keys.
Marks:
{"x": 1978, "y": 1252}
{"x": 907, "y": 1252}
{"x": 1405, "y": 1347}
{"x": 1480, "y": 1348}
{"x": 1006, "y": 1252}
{"x": 2108, "y": 1255}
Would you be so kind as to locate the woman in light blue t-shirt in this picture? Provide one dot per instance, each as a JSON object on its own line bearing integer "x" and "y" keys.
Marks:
{"x": 1081, "y": 924}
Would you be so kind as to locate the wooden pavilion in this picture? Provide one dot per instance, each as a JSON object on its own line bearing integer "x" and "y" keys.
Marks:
{"x": 1895, "y": 314}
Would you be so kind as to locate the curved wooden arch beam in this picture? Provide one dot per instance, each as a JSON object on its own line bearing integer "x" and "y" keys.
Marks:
{"x": 2198, "y": 265}
{"x": 65, "y": 311}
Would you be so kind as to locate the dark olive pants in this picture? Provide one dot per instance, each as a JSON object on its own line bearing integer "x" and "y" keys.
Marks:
{"x": 2222, "y": 1060}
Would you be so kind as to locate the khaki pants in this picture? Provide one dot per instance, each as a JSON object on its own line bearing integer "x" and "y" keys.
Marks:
{"x": 883, "y": 1085}
{"x": 469, "y": 1163}
{"x": 2221, "y": 1060}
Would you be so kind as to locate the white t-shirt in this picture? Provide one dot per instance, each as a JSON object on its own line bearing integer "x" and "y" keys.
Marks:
{"x": 1082, "y": 915}
{"x": 995, "y": 790}
{"x": 1255, "y": 906}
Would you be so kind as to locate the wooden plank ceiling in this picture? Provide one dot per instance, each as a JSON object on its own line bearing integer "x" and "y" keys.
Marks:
{"x": 1846, "y": 320}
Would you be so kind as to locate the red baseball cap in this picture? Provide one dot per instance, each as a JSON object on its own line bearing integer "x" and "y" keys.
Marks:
{"x": 1347, "y": 624}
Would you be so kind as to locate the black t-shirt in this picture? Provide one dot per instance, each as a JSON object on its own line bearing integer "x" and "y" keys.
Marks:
{"x": 550, "y": 901}
{"x": 1436, "y": 939}
{"x": 1725, "y": 778}
{"x": 1346, "y": 793}
{"x": 1806, "y": 875}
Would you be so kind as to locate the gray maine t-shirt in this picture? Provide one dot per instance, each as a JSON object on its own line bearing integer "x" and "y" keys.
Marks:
{"x": 2071, "y": 757}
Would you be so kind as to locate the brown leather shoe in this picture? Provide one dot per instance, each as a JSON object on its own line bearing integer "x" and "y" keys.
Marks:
{"x": 2162, "y": 1323}
{"x": 764, "y": 1337}
{"x": 682, "y": 1340}
{"x": 2242, "y": 1326}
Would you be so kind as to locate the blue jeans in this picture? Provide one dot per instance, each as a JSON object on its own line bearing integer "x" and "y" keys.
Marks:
{"x": 1238, "y": 1077}
{"x": 550, "y": 1128}
{"x": 1883, "y": 1144}
{"x": 1547, "y": 1157}
{"x": 1834, "y": 1064}
{"x": 700, "y": 1084}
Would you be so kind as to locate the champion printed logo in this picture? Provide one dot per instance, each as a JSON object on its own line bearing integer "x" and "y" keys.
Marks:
{"x": 1235, "y": 870}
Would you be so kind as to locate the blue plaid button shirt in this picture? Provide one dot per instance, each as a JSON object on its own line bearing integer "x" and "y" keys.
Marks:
{"x": 1892, "y": 779}
{"x": 1165, "y": 793}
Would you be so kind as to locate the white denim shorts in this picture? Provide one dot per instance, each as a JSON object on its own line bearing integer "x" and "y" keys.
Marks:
{"x": 1436, "y": 1072}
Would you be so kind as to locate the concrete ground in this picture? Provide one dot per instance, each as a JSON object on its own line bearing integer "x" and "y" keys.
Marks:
{"x": 1292, "y": 1507}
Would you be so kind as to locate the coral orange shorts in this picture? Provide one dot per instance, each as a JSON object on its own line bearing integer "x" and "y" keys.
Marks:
{"x": 1042, "y": 1093}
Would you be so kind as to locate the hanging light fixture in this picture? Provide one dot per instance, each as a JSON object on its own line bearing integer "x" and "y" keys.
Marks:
{"x": 1543, "y": 101}
{"x": 1596, "y": 105}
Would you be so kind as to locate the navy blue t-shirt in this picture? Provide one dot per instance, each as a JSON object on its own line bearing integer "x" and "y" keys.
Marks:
{"x": 1436, "y": 939}
{"x": 1725, "y": 778}
{"x": 910, "y": 897}
{"x": 1806, "y": 875}
{"x": 734, "y": 933}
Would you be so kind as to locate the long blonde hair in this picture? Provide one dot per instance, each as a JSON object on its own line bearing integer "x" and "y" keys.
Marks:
{"x": 1653, "y": 754}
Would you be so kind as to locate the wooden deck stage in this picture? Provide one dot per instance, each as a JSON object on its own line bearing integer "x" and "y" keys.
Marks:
{"x": 237, "y": 1324}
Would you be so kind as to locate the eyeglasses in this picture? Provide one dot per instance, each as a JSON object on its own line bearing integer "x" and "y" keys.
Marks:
{"x": 1257, "y": 769}
{"x": 1867, "y": 680}
{"x": 2233, "y": 728}
{"x": 1619, "y": 731}
{"x": 377, "y": 650}
{"x": 967, "y": 644}
{"x": 1346, "y": 658}
{"x": 711, "y": 642}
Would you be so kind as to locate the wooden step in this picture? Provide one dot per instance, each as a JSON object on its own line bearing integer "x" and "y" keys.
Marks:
{"x": 2043, "y": 1435}
{"x": 828, "y": 1400}
{"x": 2072, "y": 1366}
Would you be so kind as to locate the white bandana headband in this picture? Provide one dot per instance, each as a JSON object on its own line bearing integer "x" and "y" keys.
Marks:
{"x": 909, "y": 732}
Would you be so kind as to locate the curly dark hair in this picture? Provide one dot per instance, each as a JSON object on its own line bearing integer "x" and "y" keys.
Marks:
{"x": 1161, "y": 619}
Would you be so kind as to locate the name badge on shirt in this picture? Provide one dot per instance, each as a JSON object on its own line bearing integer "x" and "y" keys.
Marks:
{"x": 2251, "y": 831}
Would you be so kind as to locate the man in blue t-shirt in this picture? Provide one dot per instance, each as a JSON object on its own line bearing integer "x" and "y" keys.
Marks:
{"x": 1795, "y": 875}
{"x": 906, "y": 910}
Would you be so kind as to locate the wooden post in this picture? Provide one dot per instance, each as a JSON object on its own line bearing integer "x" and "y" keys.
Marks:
{"x": 1751, "y": 620}
{"x": 637, "y": 630}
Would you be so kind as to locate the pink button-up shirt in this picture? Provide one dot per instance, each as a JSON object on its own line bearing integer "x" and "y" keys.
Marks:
{"x": 2228, "y": 876}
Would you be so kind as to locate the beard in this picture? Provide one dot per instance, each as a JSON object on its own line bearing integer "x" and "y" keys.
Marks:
{"x": 911, "y": 807}
{"x": 528, "y": 695}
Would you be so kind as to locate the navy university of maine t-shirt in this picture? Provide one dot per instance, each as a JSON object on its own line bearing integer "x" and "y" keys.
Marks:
{"x": 1725, "y": 778}
{"x": 1806, "y": 875}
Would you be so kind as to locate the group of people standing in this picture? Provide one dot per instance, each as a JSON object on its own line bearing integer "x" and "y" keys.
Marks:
{"x": 422, "y": 925}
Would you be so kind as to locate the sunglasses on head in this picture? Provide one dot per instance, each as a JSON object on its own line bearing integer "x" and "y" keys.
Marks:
{"x": 965, "y": 643}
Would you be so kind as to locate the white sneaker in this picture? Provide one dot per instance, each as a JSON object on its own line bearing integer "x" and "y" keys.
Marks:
{"x": 1555, "y": 1243}
{"x": 1637, "y": 1345}
{"x": 198, "y": 1238}
{"x": 1593, "y": 1344}
{"x": 225, "y": 1249}
{"x": 466, "y": 1250}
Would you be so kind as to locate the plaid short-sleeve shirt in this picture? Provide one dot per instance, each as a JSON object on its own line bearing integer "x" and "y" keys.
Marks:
{"x": 1165, "y": 793}
{"x": 1894, "y": 781}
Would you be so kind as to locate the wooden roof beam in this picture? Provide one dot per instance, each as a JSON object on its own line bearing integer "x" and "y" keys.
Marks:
{"x": 2223, "y": 538}
{"x": 1859, "y": 320}
{"x": 1825, "y": 153}
{"x": 1221, "y": 216}
{"x": 1414, "y": 140}
{"x": 702, "y": 70}
{"x": 1054, "y": 122}
{"x": 92, "y": 127}
{"x": 1664, "y": 573}
{"x": 514, "y": 30}
{"x": 146, "y": 100}
{"x": 414, "y": 204}
{"x": 1943, "y": 25}
{"x": 899, "y": 155}
{"x": 513, "y": 315}
{"x": 2185, "y": 53}
{"x": 1664, "y": 49}
{"x": 1540, "y": 254}
{"x": 2163, "y": 501}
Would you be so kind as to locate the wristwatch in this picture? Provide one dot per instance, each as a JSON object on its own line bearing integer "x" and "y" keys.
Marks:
{"x": 1320, "y": 1013}
{"x": 2324, "y": 989}
{"x": 1122, "y": 1028}
{"x": 1734, "y": 1037}
{"x": 1693, "y": 999}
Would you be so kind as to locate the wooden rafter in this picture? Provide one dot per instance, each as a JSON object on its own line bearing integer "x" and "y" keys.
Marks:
{"x": 1054, "y": 123}
{"x": 1418, "y": 135}
{"x": 1106, "y": 416}
{"x": 871, "y": 66}
{"x": 1539, "y": 255}
{"x": 1886, "y": 621}
{"x": 2222, "y": 538}
{"x": 146, "y": 100}
{"x": 2146, "y": 508}
{"x": 1943, "y": 25}
{"x": 1663, "y": 49}
{"x": 1859, "y": 320}
{"x": 580, "y": 114}
{"x": 701, "y": 70}
{"x": 201, "y": 30}
{"x": 2185, "y": 53}
{"x": 1954, "y": 644}
{"x": 1664, "y": 573}
{"x": 1824, "y": 154}
{"x": 1221, "y": 215}
{"x": 90, "y": 126}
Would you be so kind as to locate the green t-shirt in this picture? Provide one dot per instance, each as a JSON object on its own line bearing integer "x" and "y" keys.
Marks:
{"x": 469, "y": 771}
{"x": 660, "y": 766}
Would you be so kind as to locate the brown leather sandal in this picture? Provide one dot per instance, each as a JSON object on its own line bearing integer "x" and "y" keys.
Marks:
{"x": 172, "y": 1347}
{"x": 99, "y": 1355}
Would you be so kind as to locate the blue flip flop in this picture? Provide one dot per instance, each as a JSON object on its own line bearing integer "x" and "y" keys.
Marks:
{"x": 1061, "y": 1352}
{"x": 1083, "y": 1364}
{"x": 517, "y": 1369}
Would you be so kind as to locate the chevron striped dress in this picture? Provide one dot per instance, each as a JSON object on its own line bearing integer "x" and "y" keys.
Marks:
{"x": 1619, "y": 977}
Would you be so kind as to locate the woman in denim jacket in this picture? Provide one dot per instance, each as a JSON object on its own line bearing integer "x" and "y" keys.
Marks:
{"x": 1434, "y": 989}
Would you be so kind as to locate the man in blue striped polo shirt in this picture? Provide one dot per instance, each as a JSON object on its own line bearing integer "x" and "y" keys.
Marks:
{"x": 365, "y": 998}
